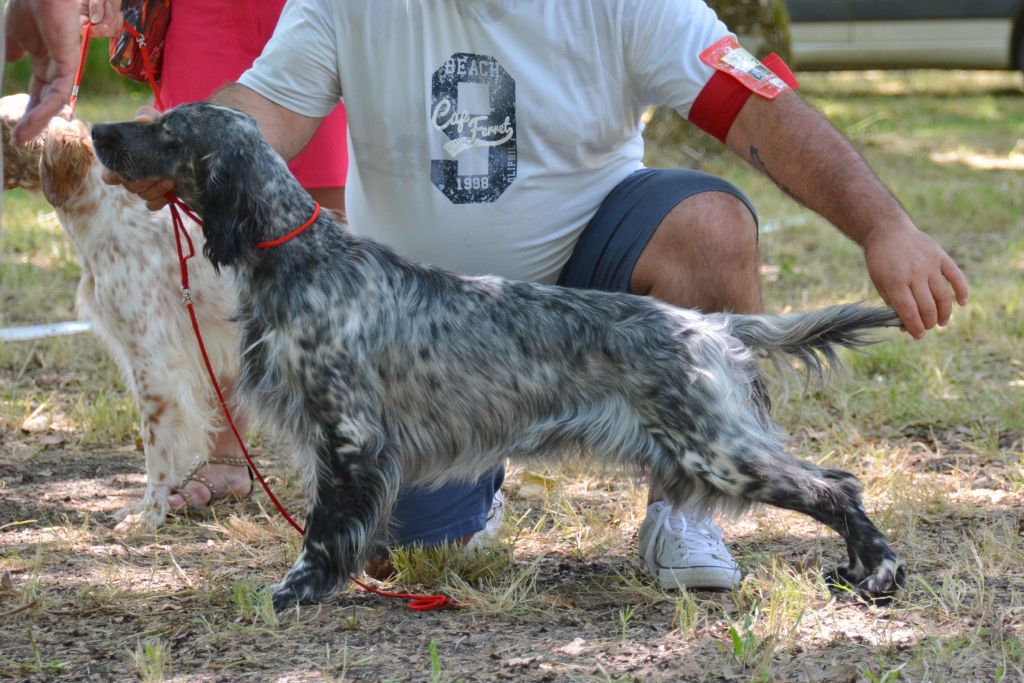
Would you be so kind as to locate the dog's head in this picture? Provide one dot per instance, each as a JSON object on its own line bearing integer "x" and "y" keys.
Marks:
{"x": 220, "y": 165}
{"x": 56, "y": 161}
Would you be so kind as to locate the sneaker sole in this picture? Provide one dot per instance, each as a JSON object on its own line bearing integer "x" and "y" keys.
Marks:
{"x": 709, "y": 578}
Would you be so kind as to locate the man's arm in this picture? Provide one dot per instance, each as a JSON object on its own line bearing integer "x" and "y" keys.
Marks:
{"x": 285, "y": 131}
{"x": 791, "y": 143}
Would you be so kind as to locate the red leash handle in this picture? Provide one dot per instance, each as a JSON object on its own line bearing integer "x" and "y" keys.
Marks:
{"x": 146, "y": 61}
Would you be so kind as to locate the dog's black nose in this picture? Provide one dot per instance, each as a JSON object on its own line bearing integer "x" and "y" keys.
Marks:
{"x": 104, "y": 134}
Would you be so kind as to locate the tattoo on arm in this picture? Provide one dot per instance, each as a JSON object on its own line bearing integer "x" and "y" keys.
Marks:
{"x": 759, "y": 164}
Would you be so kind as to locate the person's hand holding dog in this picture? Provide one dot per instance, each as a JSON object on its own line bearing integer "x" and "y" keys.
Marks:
{"x": 808, "y": 159}
{"x": 286, "y": 131}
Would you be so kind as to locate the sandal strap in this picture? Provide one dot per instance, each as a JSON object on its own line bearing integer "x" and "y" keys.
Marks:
{"x": 185, "y": 496}
{"x": 207, "y": 483}
{"x": 237, "y": 462}
{"x": 225, "y": 460}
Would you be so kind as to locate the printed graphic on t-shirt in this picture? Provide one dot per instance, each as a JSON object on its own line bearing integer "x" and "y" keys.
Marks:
{"x": 474, "y": 105}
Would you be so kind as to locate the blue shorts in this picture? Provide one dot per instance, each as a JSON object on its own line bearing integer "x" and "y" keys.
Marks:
{"x": 604, "y": 257}
{"x": 611, "y": 244}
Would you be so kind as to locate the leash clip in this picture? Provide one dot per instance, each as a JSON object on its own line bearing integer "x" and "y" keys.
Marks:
{"x": 186, "y": 296}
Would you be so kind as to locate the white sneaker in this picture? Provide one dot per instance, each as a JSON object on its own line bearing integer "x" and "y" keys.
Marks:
{"x": 486, "y": 536}
{"x": 682, "y": 553}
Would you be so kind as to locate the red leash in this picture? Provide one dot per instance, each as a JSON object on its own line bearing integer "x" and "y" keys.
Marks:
{"x": 417, "y": 603}
{"x": 144, "y": 50}
{"x": 86, "y": 35}
{"x": 186, "y": 297}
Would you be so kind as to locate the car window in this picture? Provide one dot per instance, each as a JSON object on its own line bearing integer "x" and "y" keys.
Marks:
{"x": 880, "y": 10}
{"x": 819, "y": 10}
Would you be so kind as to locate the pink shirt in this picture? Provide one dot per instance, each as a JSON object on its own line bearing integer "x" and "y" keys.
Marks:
{"x": 211, "y": 42}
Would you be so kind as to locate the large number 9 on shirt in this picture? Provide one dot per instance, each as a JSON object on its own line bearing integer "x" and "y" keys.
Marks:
{"x": 471, "y": 132}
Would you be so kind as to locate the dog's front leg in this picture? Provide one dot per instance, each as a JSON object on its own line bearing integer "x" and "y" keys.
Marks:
{"x": 353, "y": 490}
{"x": 175, "y": 434}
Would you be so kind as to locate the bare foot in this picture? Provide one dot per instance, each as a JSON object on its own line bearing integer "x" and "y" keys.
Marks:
{"x": 226, "y": 480}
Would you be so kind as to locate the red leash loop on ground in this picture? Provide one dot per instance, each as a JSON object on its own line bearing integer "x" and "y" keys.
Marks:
{"x": 417, "y": 603}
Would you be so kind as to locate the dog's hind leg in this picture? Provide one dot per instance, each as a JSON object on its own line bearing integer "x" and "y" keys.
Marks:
{"x": 833, "y": 497}
{"x": 351, "y": 495}
{"x": 766, "y": 473}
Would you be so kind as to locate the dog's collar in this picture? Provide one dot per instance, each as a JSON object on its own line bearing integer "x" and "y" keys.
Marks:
{"x": 294, "y": 233}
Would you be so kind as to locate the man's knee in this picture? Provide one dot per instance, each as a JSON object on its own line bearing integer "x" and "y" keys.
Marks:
{"x": 703, "y": 255}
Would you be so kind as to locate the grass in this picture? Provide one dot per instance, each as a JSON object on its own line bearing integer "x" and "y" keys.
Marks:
{"x": 151, "y": 660}
{"x": 935, "y": 429}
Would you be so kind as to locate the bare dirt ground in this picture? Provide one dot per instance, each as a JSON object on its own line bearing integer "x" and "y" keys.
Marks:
{"x": 81, "y": 604}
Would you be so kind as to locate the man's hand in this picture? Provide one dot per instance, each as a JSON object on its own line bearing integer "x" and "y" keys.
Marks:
{"x": 914, "y": 275}
{"x": 809, "y": 160}
{"x": 48, "y": 31}
{"x": 152, "y": 190}
{"x": 105, "y": 15}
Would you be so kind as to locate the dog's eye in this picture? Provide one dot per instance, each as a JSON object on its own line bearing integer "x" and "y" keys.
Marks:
{"x": 172, "y": 145}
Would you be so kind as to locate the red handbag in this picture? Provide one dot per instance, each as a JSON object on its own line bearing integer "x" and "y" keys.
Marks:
{"x": 145, "y": 26}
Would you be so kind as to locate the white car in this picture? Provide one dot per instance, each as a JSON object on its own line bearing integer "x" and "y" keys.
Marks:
{"x": 898, "y": 34}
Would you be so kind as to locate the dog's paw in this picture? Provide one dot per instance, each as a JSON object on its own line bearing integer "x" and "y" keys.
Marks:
{"x": 881, "y": 586}
{"x": 139, "y": 520}
{"x": 301, "y": 592}
{"x": 303, "y": 585}
{"x": 284, "y": 596}
{"x": 878, "y": 588}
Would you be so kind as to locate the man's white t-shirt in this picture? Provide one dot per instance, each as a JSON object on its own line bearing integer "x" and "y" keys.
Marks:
{"x": 484, "y": 134}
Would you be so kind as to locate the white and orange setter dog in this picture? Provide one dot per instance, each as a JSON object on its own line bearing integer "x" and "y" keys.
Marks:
{"x": 130, "y": 289}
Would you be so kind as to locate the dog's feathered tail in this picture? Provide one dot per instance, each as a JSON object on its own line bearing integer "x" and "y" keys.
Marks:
{"x": 811, "y": 337}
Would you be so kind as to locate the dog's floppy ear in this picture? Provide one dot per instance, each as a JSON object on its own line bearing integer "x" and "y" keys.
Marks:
{"x": 66, "y": 160}
{"x": 235, "y": 210}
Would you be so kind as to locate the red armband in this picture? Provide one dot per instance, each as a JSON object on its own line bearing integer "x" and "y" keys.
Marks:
{"x": 737, "y": 76}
